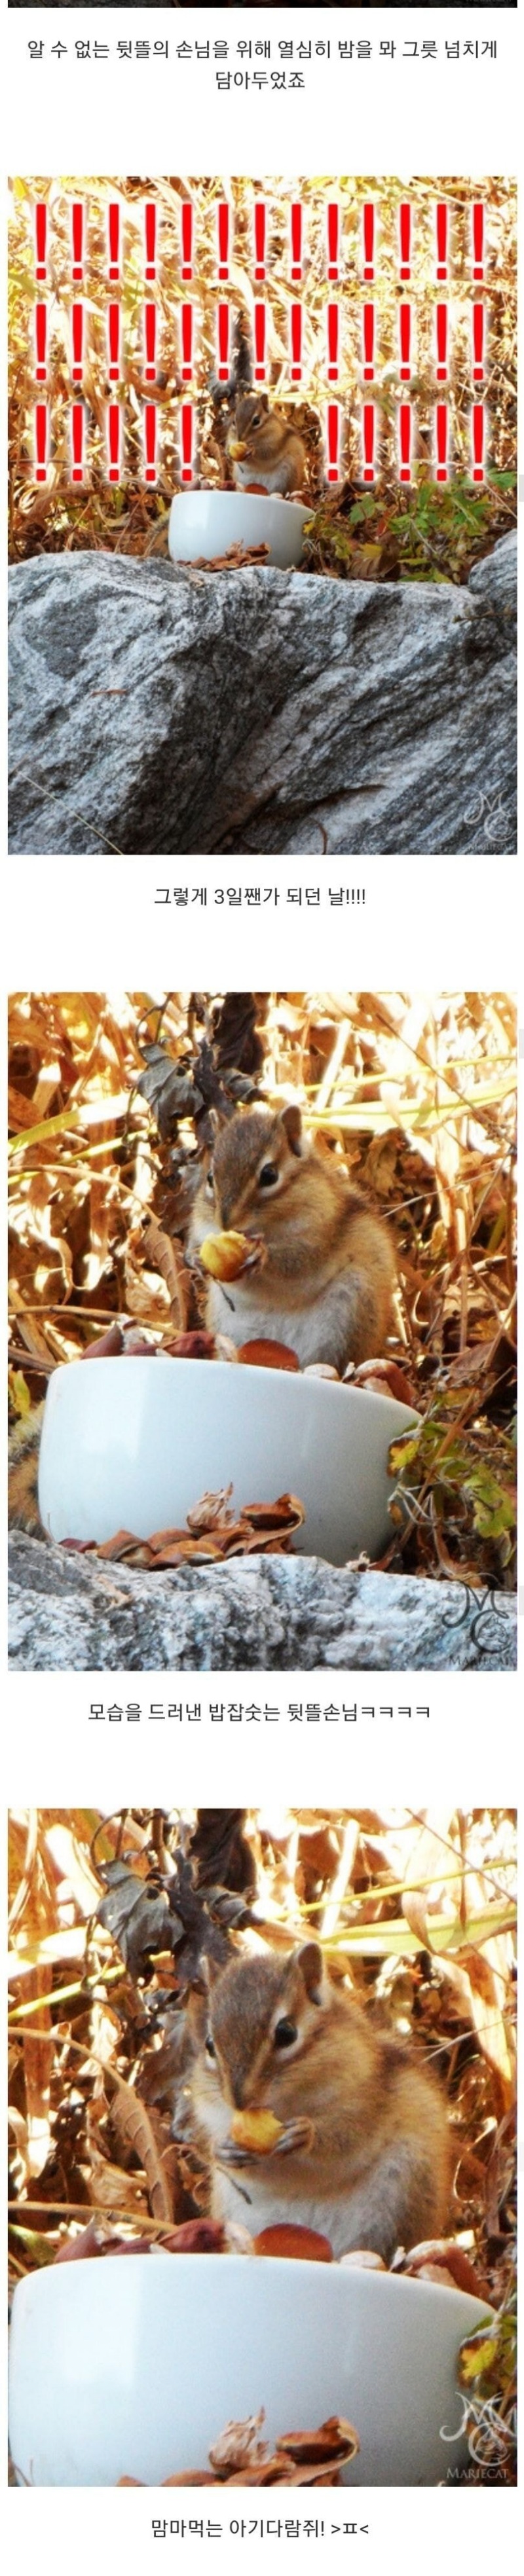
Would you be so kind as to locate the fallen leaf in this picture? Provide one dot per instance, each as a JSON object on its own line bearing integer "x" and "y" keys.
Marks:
{"x": 261, "y": 1529}
{"x": 240, "y": 2459}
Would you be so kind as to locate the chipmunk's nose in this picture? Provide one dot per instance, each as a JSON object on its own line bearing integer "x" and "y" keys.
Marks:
{"x": 237, "y": 2085}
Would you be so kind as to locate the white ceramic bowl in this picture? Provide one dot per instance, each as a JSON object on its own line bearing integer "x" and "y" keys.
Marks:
{"x": 207, "y": 523}
{"x": 133, "y": 1443}
{"x": 131, "y": 2366}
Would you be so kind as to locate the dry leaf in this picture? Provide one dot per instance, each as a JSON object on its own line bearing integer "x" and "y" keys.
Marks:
{"x": 261, "y": 1529}
{"x": 134, "y": 2129}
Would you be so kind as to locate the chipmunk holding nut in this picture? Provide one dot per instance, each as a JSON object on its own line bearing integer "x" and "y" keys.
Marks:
{"x": 358, "y": 2142}
{"x": 326, "y": 1274}
{"x": 323, "y": 1263}
{"x": 264, "y": 448}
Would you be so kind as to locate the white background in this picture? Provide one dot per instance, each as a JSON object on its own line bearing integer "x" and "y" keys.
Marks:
{"x": 424, "y": 924}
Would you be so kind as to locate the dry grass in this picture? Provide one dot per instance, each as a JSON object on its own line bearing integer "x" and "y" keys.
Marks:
{"x": 463, "y": 522}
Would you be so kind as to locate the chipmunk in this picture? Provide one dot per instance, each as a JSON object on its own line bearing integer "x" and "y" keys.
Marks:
{"x": 326, "y": 1283}
{"x": 264, "y": 448}
{"x": 364, "y": 2150}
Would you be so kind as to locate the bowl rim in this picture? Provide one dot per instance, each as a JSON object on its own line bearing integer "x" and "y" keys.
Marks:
{"x": 210, "y": 493}
{"x": 329, "y": 1387}
{"x": 395, "y": 2285}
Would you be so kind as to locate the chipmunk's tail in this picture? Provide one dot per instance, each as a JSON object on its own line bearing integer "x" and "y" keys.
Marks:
{"x": 24, "y": 1444}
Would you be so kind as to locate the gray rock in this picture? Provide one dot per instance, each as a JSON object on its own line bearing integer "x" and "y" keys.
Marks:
{"x": 159, "y": 710}
{"x": 287, "y": 1614}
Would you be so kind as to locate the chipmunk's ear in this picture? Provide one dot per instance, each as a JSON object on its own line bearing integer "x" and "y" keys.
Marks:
{"x": 196, "y": 2017}
{"x": 292, "y": 1121}
{"x": 309, "y": 1959}
{"x": 209, "y": 1971}
{"x": 219, "y": 1118}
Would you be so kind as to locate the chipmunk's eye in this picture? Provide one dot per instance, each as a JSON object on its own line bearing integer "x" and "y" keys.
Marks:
{"x": 210, "y": 1182}
{"x": 284, "y": 2033}
{"x": 210, "y": 2047}
{"x": 268, "y": 1176}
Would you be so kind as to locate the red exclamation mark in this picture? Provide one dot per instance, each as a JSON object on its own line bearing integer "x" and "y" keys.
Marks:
{"x": 333, "y": 239}
{"x": 442, "y": 226}
{"x": 368, "y": 236}
{"x": 40, "y": 343}
{"x": 441, "y": 433}
{"x": 115, "y": 441}
{"x": 478, "y": 241}
{"x": 150, "y": 241}
{"x": 150, "y": 326}
{"x": 187, "y": 232}
{"x": 333, "y": 337}
{"x": 186, "y": 326}
{"x": 77, "y": 342}
{"x": 368, "y": 341}
{"x": 114, "y": 417}
{"x": 186, "y": 441}
{"x": 442, "y": 343}
{"x": 77, "y": 442}
{"x": 296, "y": 241}
{"x": 41, "y": 442}
{"x": 150, "y": 441}
{"x": 223, "y": 214}
{"x": 77, "y": 239}
{"x": 405, "y": 239}
{"x": 114, "y": 315}
{"x": 405, "y": 430}
{"x": 368, "y": 441}
{"x": 296, "y": 343}
{"x": 113, "y": 230}
{"x": 260, "y": 240}
{"x": 479, "y": 337}
{"x": 477, "y": 431}
{"x": 259, "y": 323}
{"x": 223, "y": 343}
{"x": 40, "y": 241}
{"x": 404, "y": 313}
{"x": 333, "y": 435}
